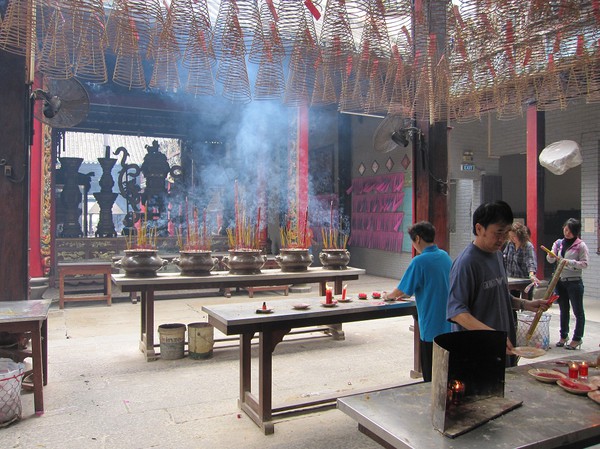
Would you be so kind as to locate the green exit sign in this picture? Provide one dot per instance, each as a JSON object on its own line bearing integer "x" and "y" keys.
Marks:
{"x": 467, "y": 167}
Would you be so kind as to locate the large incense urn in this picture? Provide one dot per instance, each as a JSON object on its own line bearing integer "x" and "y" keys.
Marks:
{"x": 244, "y": 261}
{"x": 142, "y": 263}
{"x": 294, "y": 259}
{"x": 196, "y": 263}
{"x": 334, "y": 259}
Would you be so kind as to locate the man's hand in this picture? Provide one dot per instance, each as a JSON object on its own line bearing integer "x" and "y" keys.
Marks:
{"x": 509, "y": 347}
{"x": 535, "y": 305}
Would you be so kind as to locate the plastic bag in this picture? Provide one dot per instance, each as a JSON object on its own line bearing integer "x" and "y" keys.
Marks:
{"x": 11, "y": 376}
{"x": 560, "y": 156}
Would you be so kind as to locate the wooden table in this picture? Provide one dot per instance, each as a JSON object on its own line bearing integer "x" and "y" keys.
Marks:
{"x": 242, "y": 319}
{"x": 549, "y": 417}
{"x": 84, "y": 268}
{"x": 518, "y": 283}
{"x": 30, "y": 316}
{"x": 219, "y": 279}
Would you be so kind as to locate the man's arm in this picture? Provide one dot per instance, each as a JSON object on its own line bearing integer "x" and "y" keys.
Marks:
{"x": 469, "y": 322}
{"x": 396, "y": 293}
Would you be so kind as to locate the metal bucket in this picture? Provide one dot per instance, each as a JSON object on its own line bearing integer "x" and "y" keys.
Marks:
{"x": 172, "y": 340}
{"x": 200, "y": 340}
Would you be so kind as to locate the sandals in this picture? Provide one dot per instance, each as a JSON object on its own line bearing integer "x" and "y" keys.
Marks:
{"x": 561, "y": 343}
{"x": 574, "y": 345}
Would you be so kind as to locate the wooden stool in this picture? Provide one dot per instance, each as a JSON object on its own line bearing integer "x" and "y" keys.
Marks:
{"x": 84, "y": 268}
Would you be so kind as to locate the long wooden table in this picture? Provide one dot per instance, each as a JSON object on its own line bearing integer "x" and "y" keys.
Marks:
{"x": 31, "y": 316}
{"x": 219, "y": 279}
{"x": 549, "y": 417}
{"x": 242, "y": 319}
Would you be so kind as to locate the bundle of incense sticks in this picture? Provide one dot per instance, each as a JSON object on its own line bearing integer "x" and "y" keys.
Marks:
{"x": 549, "y": 292}
{"x": 333, "y": 238}
{"x": 196, "y": 238}
{"x": 244, "y": 235}
{"x": 145, "y": 237}
{"x": 296, "y": 234}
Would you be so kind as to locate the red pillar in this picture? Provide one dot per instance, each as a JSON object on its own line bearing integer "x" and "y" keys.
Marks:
{"x": 35, "y": 196}
{"x": 302, "y": 191}
{"x": 535, "y": 180}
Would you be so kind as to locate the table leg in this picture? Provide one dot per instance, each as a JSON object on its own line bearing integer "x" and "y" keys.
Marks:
{"x": 416, "y": 372}
{"x": 61, "y": 289}
{"x": 38, "y": 376}
{"x": 108, "y": 288}
{"x": 245, "y": 366}
{"x": 147, "y": 333}
{"x": 338, "y": 287}
{"x": 45, "y": 350}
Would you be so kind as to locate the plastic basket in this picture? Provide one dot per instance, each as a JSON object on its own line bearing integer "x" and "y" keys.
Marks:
{"x": 541, "y": 335}
{"x": 11, "y": 376}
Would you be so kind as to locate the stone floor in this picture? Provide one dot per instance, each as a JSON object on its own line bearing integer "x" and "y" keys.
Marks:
{"x": 103, "y": 394}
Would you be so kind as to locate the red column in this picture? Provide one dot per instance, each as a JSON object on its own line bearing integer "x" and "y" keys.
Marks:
{"x": 535, "y": 180}
{"x": 302, "y": 174}
{"x": 35, "y": 196}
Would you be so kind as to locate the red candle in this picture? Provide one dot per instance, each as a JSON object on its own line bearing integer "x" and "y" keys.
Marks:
{"x": 583, "y": 369}
{"x": 344, "y": 293}
{"x": 328, "y": 296}
{"x": 573, "y": 370}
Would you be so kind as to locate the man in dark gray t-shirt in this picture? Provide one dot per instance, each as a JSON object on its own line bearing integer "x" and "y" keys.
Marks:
{"x": 479, "y": 297}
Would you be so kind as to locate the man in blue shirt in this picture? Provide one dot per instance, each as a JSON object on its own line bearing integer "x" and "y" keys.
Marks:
{"x": 427, "y": 277}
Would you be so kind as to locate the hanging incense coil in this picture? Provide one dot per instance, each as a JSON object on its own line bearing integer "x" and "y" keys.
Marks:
{"x": 324, "y": 90}
{"x": 301, "y": 78}
{"x": 165, "y": 74}
{"x": 134, "y": 26}
{"x": 54, "y": 59}
{"x": 268, "y": 40}
{"x": 232, "y": 73}
{"x": 90, "y": 63}
{"x": 128, "y": 71}
{"x": 270, "y": 80}
{"x": 336, "y": 39}
{"x": 183, "y": 15}
{"x": 17, "y": 26}
{"x": 293, "y": 19}
{"x": 198, "y": 59}
{"x": 247, "y": 17}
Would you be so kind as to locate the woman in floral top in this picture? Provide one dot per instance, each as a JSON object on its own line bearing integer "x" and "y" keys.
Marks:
{"x": 519, "y": 255}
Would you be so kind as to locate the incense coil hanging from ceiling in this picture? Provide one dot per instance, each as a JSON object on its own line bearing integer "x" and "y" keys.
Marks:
{"x": 231, "y": 71}
{"x": 54, "y": 58}
{"x": 270, "y": 79}
{"x": 301, "y": 76}
{"x": 293, "y": 19}
{"x": 247, "y": 16}
{"x": 128, "y": 26}
{"x": 165, "y": 73}
{"x": 198, "y": 59}
{"x": 90, "y": 63}
{"x": 16, "y": 27}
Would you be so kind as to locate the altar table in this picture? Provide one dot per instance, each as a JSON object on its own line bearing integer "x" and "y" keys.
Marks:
{"x": 242, "y": 319}
{"x": 549, "y": 417}
{"x": 220, "y": 279}
{"x": 30, "y": 316}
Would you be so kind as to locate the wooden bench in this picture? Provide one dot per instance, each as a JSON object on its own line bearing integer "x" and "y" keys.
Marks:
{"x": 84, "y": 268}
{"x": 267, "y": 288}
